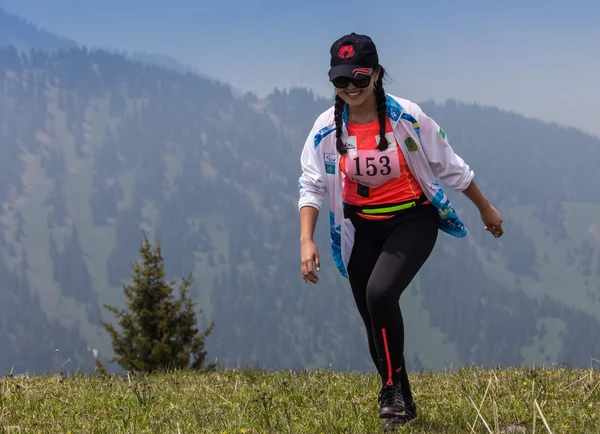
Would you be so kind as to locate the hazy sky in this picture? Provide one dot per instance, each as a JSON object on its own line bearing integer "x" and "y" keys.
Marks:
{"x": 539, "y": 58}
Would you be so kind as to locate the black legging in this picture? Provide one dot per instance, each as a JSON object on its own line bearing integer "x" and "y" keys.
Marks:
{"x": 386, "y": 256}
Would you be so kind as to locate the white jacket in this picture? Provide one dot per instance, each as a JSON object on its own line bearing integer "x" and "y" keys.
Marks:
{"x": 431, "y": 158}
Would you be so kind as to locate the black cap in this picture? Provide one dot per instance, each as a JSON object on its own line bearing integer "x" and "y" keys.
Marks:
{"x": 351, "y": 54}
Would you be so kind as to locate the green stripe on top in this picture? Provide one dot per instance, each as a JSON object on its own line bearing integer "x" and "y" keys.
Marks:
{"x": 389, "y": 208}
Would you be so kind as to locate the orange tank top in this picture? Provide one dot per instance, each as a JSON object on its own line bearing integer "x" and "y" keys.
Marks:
{"x": 385, "y": 173}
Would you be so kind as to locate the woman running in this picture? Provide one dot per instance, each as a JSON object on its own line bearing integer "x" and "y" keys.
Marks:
{"x": 378, "y": 157}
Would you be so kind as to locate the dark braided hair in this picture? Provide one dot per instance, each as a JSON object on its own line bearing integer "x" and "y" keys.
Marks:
{"x": 339, "y": 109}
{"x": 380, "y": 100}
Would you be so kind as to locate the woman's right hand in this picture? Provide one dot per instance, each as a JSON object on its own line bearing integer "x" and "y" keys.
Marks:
{"x": 309, "y": 255}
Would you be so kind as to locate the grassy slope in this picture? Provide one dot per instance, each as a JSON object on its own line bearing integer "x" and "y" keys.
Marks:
{"x": 559, "y": 281}
{"x": 563, "y": 283}
{"x": 426, "y": 341}
{"x": 254, "y": 401}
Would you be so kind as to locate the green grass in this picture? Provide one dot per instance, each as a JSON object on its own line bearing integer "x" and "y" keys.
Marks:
{"x": 255, "y": 401}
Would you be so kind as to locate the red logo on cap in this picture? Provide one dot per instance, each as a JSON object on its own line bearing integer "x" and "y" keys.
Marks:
{"x": 346, "y": 52}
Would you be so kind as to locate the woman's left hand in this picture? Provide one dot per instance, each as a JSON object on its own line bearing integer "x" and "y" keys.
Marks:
{"x": 492, "y": 220}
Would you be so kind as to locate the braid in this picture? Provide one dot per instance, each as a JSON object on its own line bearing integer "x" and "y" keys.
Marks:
{"x": 339, "y": 109}
{"x": 381, "y": 111}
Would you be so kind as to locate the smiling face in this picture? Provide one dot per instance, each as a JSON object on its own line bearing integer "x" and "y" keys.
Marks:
{"x": 357, "y": 96}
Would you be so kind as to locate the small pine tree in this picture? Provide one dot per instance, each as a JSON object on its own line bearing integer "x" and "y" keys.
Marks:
{"x": 158, "y": 331}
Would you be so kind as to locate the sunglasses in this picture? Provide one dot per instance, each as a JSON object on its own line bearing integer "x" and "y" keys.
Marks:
{"x": 343, "y": 82}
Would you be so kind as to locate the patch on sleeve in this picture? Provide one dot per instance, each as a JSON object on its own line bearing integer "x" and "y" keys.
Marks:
{"x": 411, "y": 145}
{"x": 442, "y": 132}
{"x": 330, "y": 163}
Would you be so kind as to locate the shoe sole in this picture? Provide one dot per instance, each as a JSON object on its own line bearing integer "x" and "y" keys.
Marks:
{"x": 388, "y": 413}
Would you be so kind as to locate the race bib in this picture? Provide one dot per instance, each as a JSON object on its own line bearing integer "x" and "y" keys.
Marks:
{"x": 373, "y": 167}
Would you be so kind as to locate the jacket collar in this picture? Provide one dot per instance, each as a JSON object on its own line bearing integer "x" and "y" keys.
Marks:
{"x": 393, "y": 109}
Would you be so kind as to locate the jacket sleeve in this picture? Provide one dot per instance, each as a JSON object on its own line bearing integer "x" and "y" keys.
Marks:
{"x": 445, "y": 164}
{"x": 311, "y": 184}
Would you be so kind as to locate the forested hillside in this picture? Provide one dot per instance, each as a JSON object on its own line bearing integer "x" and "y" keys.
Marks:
{"x": 25, "y": 36}
{"x": 95, "y": 148}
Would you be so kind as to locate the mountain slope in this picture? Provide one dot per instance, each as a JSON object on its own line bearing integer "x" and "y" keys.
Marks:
{"x": 97, "y": 148}
{"x": 25, "y": 36}
{"x": 160, "y": 59}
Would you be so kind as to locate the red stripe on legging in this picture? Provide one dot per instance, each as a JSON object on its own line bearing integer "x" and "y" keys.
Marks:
{"x": 390, "y": 382}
